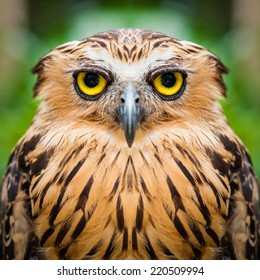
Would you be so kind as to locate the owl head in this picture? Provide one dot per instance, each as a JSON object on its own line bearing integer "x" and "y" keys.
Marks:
{"x": 129, "y": 80}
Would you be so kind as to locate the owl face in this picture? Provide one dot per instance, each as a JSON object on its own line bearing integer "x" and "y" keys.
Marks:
{"x": 129, "y": 79}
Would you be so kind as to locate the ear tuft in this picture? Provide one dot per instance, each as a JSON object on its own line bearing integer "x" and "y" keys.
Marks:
{"x": 220, "y": 69}
{"x": 38, "y": 69}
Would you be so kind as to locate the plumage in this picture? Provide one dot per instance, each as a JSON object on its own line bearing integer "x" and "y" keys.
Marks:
{"x": 117, "y": 166}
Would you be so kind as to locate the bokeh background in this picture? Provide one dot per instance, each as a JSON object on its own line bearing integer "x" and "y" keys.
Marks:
{"x": 30, "y": 28}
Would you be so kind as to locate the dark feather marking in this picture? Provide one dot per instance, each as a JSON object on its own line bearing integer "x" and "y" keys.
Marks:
{"x": 179, "y": 226}
{"x": 28, "y": 146}
{"x": 149, "y": 247}
{"x": 185, "y": 171}
{"x": 176, "y": 198}
{"x": 75, "y": 49}
{"x": 125, "y": 57}
{"x": 102, "y": 36}
{"x": 46, "y": 235}
{"x": 101, "y": 158}
{"x": 115, "y": 188}
{"x": 234, "y": 187}
{"x": 139, "y": 54}
{"x": 7, "y": 243}
{"x": 36, "y": 182}
{"x": 67, "y": 158}
{"x": 156, "y": 148}
{"x": 223, "y": 183}
{"x": 203, "y": 208}
{"x": 84, "y": 41}
{"x": 79, "y": 228}
{"x": 126, "y": 50}
{"x": 74, "y": 171}
{"x": 13, "y": 184}
{"x": 165, "y": 250}
{"x": 158, "y": 158}
{"x": 46, "y": 188}
{"x": 108, "y": 221}
{"x": 197, "y": 253}
{"x": 101, "y": 43}
{"x": 120, "y": 214}
{"x": 115, "y": 159}
{"x": 218, "y": 162}
{"x": 184, "y": 50}
{"x": 69, "y": 155}
{"x": 102, "y": 153}
{"x": 151, "y": 221}
{"x": 62, "y": 233}
{"x": 217, "y": 195}
{"x": 134, "y": 240}
{"x": 130, "y": 164}
{"x": 125, "y": 240}
{"x": 158, "y": 36}
{"x": 231, "y": 147}
{"x": 62, "y": 47}
{"x": 139, "y": 214}
{"x": 110, "y": 248}
{"x": 145, "y": 190}
{"x": 175, "y": 41}
{"x": 131, "y": 51}
{"x": 84, "y": 195}
{"x": 94, "y": 249}
{"x": 56, "y": 208}
{"x": 144, "y": 159}
{"x": 40, "y": 163}
{"x": 213, "y": 235}
{"x": 63, "y": 251}
{"x": 61, "y": 179}
{"x": 190, "y": 156}
{"x": 197, "y": 233}
{"x": 198, "y": 179}
{"x": 197, "y": 47}
{"x": 193, "y": 51}
{"x": 157, "y": 44}
{"x": 222, "y": 85}
{"x": 8, "y": 251}
{"x": 119, "y": 54}
{"x": 25, "y": 186}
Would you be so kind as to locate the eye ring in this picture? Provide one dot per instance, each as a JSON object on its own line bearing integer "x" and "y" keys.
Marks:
{"x": 89, "y": 85}
{"x": 169, "y": 85}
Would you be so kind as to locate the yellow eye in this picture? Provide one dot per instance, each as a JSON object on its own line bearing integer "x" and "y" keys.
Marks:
{"x": 169, "y": 84}
{"x": 90, "y": 84}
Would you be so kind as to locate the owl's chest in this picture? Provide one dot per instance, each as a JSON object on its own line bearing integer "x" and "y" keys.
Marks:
{"x": 142, "y": 205}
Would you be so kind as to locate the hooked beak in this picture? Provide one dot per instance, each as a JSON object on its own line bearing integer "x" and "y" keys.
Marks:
{"x": 129, "y": 112}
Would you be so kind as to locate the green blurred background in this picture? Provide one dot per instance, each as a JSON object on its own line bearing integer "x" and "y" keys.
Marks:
{"x": 30, "y": 28}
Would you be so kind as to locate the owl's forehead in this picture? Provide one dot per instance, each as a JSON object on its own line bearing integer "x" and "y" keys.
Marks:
{"x": 131, "y": 64}
{"x": 129, "y": 52}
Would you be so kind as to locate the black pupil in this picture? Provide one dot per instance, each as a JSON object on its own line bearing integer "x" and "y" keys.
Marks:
{"x": 91, "y": 80}
{"x": 168, "y": 80}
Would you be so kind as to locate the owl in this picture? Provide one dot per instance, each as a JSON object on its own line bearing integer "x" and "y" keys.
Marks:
{"x": 129, "y": 156}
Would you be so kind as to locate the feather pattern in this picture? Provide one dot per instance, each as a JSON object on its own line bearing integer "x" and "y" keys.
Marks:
{"x": 74, "y": 189}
